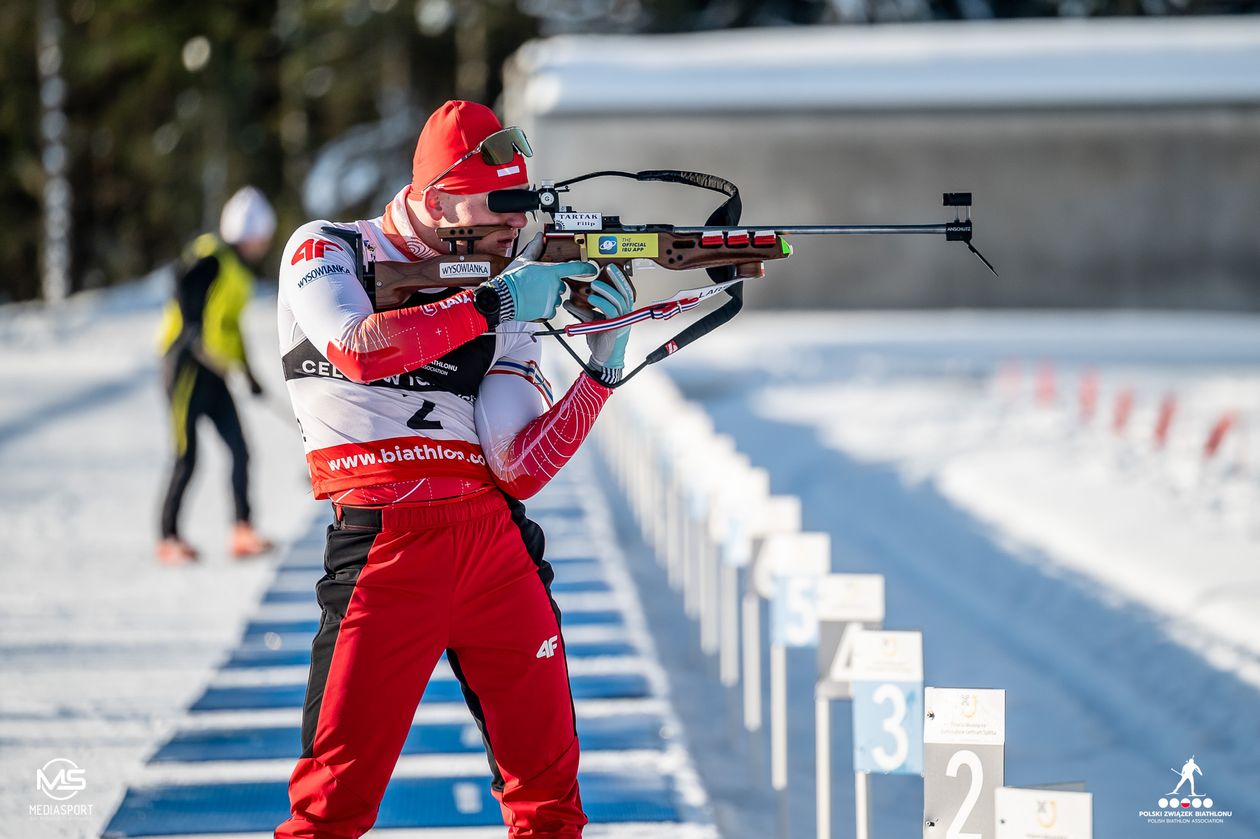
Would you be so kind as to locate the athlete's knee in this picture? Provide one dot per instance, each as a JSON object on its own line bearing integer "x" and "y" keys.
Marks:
{"x": 323, "y": 807}
{"x": 548, "y": 802}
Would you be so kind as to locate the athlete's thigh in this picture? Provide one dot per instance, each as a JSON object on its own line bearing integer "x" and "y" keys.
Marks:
{"x": 384, "y": 626}
{"x": 511, "y": 656}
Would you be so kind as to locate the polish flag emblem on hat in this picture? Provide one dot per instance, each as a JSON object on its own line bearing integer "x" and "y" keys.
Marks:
{"x": 452, "y": 131}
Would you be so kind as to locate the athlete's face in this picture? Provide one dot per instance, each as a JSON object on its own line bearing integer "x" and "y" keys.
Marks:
{"x": 254, "y": 249}
{"x": 473, "y": 210}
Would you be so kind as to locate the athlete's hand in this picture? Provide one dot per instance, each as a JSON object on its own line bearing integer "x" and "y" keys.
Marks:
{"x": 612, "y": 298}
{"x": 537, "y": 288}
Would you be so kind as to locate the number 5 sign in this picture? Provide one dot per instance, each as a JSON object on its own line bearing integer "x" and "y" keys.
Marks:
{"x": 796, "y": 561}
{"x": 887, "y": 671}
{"x": 964, "y": 734}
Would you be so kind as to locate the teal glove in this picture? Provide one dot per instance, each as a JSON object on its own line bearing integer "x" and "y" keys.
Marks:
{"x": 613, "y": 298}
{"x": 536, "y": 288}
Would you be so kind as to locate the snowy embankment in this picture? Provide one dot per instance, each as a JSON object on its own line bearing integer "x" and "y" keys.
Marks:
{"x": 101, "y": 648}
{"x": 1021, "y": 421}
{"x": 1108, "y": 584}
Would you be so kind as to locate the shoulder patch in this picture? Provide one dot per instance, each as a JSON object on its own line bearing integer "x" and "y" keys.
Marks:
{"x": 313, "y": 248}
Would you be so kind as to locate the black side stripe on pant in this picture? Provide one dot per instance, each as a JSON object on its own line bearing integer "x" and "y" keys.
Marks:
{"x": 344, "y": 557}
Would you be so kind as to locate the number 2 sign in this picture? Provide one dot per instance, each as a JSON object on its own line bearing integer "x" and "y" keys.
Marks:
{"x": 964, "y": 739}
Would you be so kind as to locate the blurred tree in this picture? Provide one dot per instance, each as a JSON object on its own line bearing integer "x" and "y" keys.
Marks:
{"x": 22, "y": 178}
{"x": 173, "y": 104}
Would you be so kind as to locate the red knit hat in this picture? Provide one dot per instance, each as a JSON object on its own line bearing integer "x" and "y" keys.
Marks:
{"x": 451, "y": 132}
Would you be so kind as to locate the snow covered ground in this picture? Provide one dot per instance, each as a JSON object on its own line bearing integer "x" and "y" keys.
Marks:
{"x": 101, "y": 649}
{"x": 1112, "y": 586}
{"x": 1004, "y": 429}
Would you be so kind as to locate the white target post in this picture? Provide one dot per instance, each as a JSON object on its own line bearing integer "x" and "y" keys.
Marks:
{"x": 1037, "y": 812}
{"x": 887, "y": 678}
{"x": 964, "y": 733}
{"x": 797, "y": 562}
{"x": 727, "y": 489}
{"x": 684, "y": 440}
{"x": 703, "y": 466}
{"x": 706, "y": 466}
{"x": 846, "y": 604}
{"x": 745, "y": 509}
{"x": 782, "y": 516}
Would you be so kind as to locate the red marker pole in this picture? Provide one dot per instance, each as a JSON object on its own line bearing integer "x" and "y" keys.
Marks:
{"x": 1167, "y": 410}
{"x": 1218, "y": 433}
{"x": 1045, "y": 384}
{"x": 1123, "y": 407}
{"x": 1088, "y": 395}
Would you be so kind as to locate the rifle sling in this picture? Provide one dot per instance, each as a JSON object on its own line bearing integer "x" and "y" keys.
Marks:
{"x": 726, "y": 215}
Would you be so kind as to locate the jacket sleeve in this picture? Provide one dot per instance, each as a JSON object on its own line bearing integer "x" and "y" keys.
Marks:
{"x": 525, "y": 437}
{"x": 317, "y": 276}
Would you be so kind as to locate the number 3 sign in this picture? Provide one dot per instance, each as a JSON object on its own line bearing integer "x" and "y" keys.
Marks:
{"x": 888, "y": 702}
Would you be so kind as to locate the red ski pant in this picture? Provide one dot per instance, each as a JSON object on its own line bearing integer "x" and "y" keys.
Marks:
{"x": 402, "y": 584}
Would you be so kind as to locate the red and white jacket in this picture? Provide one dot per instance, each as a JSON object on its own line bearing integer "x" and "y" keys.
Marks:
{"x": 421, "y": 403}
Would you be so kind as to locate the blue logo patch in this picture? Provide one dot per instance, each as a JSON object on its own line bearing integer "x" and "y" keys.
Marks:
{"x": 607, "y": 244}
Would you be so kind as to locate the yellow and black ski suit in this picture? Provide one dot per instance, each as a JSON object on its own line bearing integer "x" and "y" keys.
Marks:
{"x": 200, "y": 342}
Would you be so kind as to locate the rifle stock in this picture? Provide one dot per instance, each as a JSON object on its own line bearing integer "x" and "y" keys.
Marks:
{"x": 395, "y": 282}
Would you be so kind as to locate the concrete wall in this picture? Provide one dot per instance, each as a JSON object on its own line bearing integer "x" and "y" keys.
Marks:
{"x": 1156, "y": 206}
{"x": 1133, "y": 208}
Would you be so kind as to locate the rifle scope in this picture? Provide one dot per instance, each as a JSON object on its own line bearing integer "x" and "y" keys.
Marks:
{"x": 523, "y": 200}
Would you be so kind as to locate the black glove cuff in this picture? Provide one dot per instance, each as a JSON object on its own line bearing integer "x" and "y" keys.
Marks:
{"x": 488, "y": 298}
{"x": 606, "y": 376}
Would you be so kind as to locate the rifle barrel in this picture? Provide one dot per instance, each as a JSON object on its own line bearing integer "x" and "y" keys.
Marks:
{"x": 829, "y": 229}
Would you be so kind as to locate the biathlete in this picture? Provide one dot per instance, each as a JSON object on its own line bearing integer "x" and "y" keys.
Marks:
{"x": 425, "y": 426}
{"x": 201, "y": 343}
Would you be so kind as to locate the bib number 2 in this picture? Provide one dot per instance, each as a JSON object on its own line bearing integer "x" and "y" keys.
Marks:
{"x": 419, "y": 420}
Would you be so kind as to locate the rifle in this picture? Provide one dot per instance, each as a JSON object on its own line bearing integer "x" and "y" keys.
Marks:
{"x": 730, "y": 253}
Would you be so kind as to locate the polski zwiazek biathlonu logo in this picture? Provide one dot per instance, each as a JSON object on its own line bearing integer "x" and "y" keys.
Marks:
{"x": 1186, "y": 802}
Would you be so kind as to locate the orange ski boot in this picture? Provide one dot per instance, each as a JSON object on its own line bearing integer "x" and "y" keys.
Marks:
{"x": 175, "y": 551}
{"x": 246, "y": 542}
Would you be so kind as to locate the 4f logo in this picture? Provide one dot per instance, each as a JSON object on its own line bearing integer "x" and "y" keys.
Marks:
{"x": 312, "y": 249}
{"x": 548, "y": 648}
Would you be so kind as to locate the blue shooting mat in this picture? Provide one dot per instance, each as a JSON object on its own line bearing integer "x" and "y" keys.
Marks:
{"x": 630, "y": 731}
{"x": 409, "y": 802}
{"x": 260, "y": 697}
